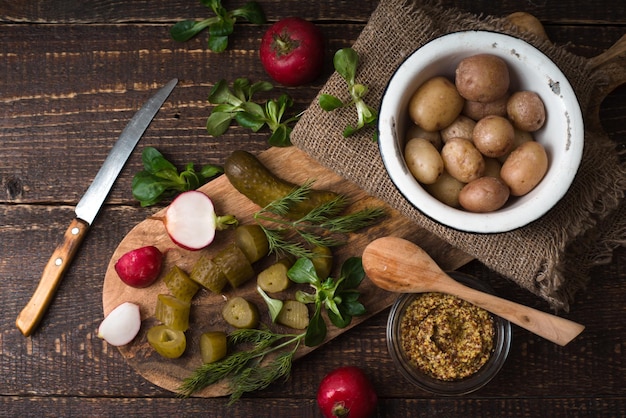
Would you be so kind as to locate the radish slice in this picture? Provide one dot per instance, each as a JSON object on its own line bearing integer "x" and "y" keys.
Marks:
{"x": 121, "y": 325}
{"x": 191, "y": 222}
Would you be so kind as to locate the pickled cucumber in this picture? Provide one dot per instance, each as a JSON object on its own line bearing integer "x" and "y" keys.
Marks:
{"x": 166, "y": 341}
{"x": 274, "y": 278}
{"x": 180, "y": 285}
{"x": 241, "y": 313}
{"x": 234, "y": 264}
{"x": 251, "y": 239}
{"x": 213, "y": 346}
{"x": 208, "y": 275}
{"x": 251, "y": 178}
{"x": 173, "y": 312}
{"x": 322, "y": 261}
{"x": 294, "y": 314}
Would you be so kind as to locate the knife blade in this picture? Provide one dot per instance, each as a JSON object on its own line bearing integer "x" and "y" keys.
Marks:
{"x": 87, "y": 209}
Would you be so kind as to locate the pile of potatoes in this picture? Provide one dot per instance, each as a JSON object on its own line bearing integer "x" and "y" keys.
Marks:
{"x": 471, "y": 142}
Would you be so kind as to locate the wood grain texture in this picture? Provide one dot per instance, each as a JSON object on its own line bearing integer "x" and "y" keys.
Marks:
{"x": 73, "y": 73}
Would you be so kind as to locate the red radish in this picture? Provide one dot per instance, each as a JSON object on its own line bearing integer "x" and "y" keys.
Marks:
{"x": 347, "y": 392}
{"x": 121, "y": 325}
{"x": 191, "y": 222}
{"x": 140, "y": 267}
{"x": 292, "y": 51}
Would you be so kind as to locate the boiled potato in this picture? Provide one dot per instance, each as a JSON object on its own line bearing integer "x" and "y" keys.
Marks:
{"x": 525, "y": 168}
{"x": 528, "y": 23}
{"x": 446, "y": 189}
{"x": 462, "y": 127}
{"x": 485, "y": 194}
{"x": 526, "y": 110}
{"x": 415, "y": 131}
{"x": 462, "y": 160}
{"x": 478, "y": 110}
{"x": 435, "y": 104}
{"x": 423, "y": 160}
{"x": 493, "y": 136}
{"x": 482, "y": 78}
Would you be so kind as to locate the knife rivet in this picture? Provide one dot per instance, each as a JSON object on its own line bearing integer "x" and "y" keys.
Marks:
{"x": 58, "y": 261}
{"x": 75, "y": 231}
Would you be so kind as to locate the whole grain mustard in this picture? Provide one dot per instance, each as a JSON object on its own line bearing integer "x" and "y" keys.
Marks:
{"x": 446, "y": 337}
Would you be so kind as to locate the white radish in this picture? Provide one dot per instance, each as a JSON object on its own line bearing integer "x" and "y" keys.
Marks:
{"x": 121, "y": 325}
{"x": 191, "y": 222}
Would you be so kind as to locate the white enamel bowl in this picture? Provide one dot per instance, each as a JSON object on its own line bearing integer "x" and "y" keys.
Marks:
{"x": 562, "y": 135}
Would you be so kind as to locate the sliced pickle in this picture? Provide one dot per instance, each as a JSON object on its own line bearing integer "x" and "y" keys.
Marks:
{"x": 180, "y": 285}
{"x": 234, "y": 264}
{"x": 251, "y": 239}
{"x": 213, "y": 346}
{"x": 274, "y": 278}
{"x": 322, "y": 261}
{"x": 173, "y": 312}
{"x": 168, "y": 342}
{"x": 294, "y": 314}
{"x": 241, "y": 313}
{"x": 208, "y": 275}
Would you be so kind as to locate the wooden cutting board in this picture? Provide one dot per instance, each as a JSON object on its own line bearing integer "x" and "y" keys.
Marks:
{"x": 292, "y": 165}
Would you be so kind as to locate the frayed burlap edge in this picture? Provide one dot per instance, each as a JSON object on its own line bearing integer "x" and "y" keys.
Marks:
{"x": 550, "y": 257}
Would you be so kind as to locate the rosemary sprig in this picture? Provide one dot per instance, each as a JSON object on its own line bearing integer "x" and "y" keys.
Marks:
{"x": 244, "y": 368}
{"x": 322, "y": 226}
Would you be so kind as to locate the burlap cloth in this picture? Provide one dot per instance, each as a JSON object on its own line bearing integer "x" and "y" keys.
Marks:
{"x": 551, "y": 257}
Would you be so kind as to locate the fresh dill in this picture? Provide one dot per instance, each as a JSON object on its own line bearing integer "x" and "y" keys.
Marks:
{"x": 246, "y": 369}
{"x": 323, "y": 226}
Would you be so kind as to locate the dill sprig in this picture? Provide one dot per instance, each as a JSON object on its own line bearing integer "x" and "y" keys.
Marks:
{"x": 322, "y": 226}
{"x": 245, "y": 369}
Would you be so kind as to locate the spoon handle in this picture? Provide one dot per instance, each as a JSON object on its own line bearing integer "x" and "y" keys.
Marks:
{"x": 551, "y": 327}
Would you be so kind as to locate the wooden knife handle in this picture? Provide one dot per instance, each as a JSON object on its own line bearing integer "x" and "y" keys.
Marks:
{"x": 61, "y": 258}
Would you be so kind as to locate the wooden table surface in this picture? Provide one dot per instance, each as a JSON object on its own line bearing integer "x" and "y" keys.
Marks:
{"x": 72, "y": 73}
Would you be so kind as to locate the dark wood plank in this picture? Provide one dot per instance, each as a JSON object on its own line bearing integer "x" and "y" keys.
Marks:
{"x": 580, "y": 407}
{"x": 120, "y": 11}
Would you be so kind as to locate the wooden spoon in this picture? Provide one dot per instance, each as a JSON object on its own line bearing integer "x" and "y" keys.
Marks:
{"x": 398, "y": 265}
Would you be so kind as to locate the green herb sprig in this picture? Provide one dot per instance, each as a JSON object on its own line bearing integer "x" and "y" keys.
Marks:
{"x": 237, "y": 105}
{"x": 346, "y": 63}
{"x": 339, "y": 297}
{"x": 323, "y": 226}
{"x": 245, "y": 369}
{"x": 160, "y": 178}
{"x": 220, "y": 26}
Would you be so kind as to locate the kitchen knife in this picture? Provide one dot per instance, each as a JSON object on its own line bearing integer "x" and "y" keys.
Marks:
{"x": 87, "y": 209}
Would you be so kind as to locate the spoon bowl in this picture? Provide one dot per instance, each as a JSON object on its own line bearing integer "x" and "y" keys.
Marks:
{"x": 398, "y": 265}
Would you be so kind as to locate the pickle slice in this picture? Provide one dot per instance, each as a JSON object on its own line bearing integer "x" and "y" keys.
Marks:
{"x": 166, "y": 341}
{"x": 294, "y": 314}
{"x": 274, "y": 278}
{"x": 235, "y": 265}
{"x": 173, "y": 312}
{"x": 322, "y": 261}
{"x": 180, "y": 285}
{"x": 251, "y": 239}
{"x": 208, "y": 275}
{"x": 241, "y": 313}
{"x": 213, "y": 346}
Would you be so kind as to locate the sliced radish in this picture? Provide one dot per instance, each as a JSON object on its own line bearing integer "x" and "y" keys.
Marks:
{"x": 121, "y": 325}
{"x": 191, "y": 222}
